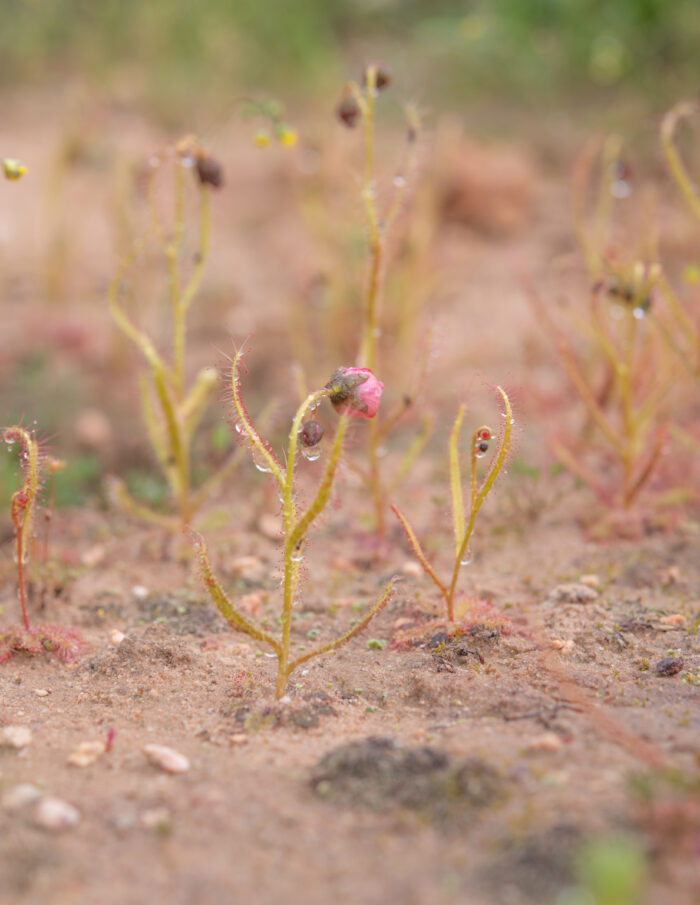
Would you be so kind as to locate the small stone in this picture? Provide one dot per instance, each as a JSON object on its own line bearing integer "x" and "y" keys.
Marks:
{"x": 564, "y": 645}
{"x": 19, "y": 796}
{"x": 87, "y": 753}
{"x": 140, "y": 591}
{"x": 249, "y": 603}
{"x": 158, "y": 819}
{"x": 270, "y": 526}
{"x": 572, "y": 593}
{"x": 590, "y": 580}
{"x": 412, "y": 568}
{"x": 548, "y": 742}
{"x": 93, "y": 555}
{"x": 249, "y": 568}
{"x": 239, "y": 738}
{"x": 669, "y": 666}
{"x": 116, "y": 637}
{"x": 42, "y": 692}
{"x": 674, "y": 620}
{"x": 55, "y": 814}
{"x": 15, "y": 737}
{"x": 166, "y": 759}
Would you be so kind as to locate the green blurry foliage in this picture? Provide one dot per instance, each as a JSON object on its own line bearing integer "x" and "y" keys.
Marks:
{"x": 166, "y": 48}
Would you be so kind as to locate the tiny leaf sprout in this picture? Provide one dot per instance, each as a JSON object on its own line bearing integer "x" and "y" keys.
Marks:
{"x": 27, "y": 638}
{"x": 354, "y": 393}
{"x": 464, "y": 522}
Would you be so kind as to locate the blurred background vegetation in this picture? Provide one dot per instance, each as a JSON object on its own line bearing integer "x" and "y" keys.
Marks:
{"x": 166, "y": 52}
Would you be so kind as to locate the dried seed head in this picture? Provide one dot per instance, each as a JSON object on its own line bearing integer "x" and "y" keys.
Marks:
{"x": 310, "y": 434}
{"x": 348, "y": 110}
{"x": 382, "y": 75}
{"x": 209, "y": 170}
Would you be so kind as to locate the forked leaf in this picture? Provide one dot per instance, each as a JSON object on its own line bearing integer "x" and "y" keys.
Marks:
{"x": 417, "y": 549}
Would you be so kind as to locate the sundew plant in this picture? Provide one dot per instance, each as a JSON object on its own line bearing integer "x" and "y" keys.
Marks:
{"x": 464, "y": 519}
{"x": 172, "y": 411}
{"x": 29, "y": 638}
{"x": 353, "y": 393}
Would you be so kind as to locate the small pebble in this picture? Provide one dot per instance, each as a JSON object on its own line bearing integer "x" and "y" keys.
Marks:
{"x": 591, "y": 581}
{"x": 548, "y": 741}
{"x": 116, "y": 637}
{"x": 572, "y": 593}
{"x": 15, "y": 737}
{"x": 42, "y": 692}
{"x": 156, "y": 819}
{"x": 239, "y": 738}
{"x": 249, "y": 568}
{"x": 674, "y": 619}
{"x": 166, "y": 758}
{"x": 412, "y": 568}
{"x": 564, "y": 645}
{"x": 20, "y": 796}
{"x": 140, "y": 591}
{"x": 87, "y": 753}
{"x": 669, "y": 666}
{"x": 55, "y": 814}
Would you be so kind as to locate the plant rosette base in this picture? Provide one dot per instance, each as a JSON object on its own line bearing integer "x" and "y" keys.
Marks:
{"x": 472, "y": 615}
{"x": 61, "y": 640}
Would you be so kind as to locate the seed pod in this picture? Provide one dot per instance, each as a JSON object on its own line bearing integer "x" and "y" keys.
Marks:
{"x": 382, "y": 78}
{"x": 348, "y": 110}
{"x": 209, "y": 171}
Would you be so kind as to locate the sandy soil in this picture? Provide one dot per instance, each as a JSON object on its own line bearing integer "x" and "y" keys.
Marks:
{"x": 436, "y": 773}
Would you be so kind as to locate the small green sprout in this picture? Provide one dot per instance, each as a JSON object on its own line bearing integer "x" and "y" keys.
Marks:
{"x": 464, "y": 525}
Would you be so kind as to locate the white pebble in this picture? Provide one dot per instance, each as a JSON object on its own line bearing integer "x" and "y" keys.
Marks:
{"x": 42, "y": 692}
{"x": 55, "y": 814}
{"x": 19, "y": 796}
{"x": 166, "y": 758}
{"x": 15, "y": 737}
{"x": 116, "y": 637}
{"x": 87, "y": 753}
{"x": 139, "y": 591}
{"x": 412, "y": 568}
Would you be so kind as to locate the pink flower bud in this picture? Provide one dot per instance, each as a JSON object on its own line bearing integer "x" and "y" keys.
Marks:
{"x": 355, "y": 392}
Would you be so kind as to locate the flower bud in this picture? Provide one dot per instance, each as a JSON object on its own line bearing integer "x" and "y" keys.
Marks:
{"x": 209, "y": 171}
{"x": 382, "y": 75}
{"x": 355, "y": 392}
{"x": 348, "y": 110}
{"x": 310, "y": 434}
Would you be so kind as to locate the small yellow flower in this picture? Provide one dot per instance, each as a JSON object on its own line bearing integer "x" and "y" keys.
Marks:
{"x": 262, "y": 138}
{"x": 13, "y": 169}
{"x": 287, "y": 136}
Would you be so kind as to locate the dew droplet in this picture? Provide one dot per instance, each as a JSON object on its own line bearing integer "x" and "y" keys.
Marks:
{"x": 467, "y": 558}
{"x": 238, "y": 427}
{"x": 311, "y": 453}
{"x": 399, "y": 182}
{"x": 261, "y": 463}
{"x": 479, "y": 453}
{"x": 297, "y": 556}
{"x": 187, "y": 161}
{"x": 639, "y": 312}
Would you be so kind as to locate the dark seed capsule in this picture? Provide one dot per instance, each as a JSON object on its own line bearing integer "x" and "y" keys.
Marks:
{"x": 311, "y": 434}
{"x": 210, "y": 172}
{"x": 382, "y": 78}
{"x": 669, "y": 666}
{"x": 348, "y": 111}
{"x": 483, "y": 446}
